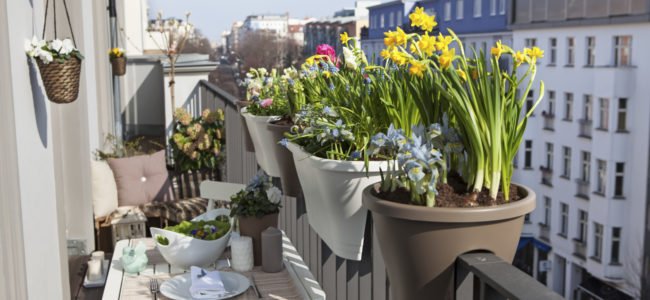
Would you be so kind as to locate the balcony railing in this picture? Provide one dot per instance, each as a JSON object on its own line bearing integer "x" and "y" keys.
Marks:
{"x": 579, "y": 249}
{"x": 544, "y": 232}
{"x": 582, "y": 189}
{"x": 586, "y": 126}
{"x": 547, "y": 175}
{"x": 479, "y": 275}
{"x": 549, "y": 121}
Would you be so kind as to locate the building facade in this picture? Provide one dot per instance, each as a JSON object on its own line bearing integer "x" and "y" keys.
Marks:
{"x": 585, "y": 152}
{"x": 383, "y": 17}
{"x": 278, "y": 24}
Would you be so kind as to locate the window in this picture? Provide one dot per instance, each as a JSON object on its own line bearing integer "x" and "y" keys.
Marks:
{"x": 618, "y": 179}
{"x": 603, "y": 114}
{"x": 568, "y": 106}
{"x": 391, "y": 19}
{"x": 564, "y": 219}
{"x": 621, "y": 120}
{"x": 570, "y": 53}
{"x": 622, "y": 50}
{"x": 399, "y": 19}
{"x": 551, "y": 103}
{"x": 586, "y": 166}
{"x": 477, "y": 8}
{"x": 566, "y": 162}
{"x": 583, "y": 217}
{"x": 502, "y": 7}
{"x": 382, "y": 21}
{"x": 530, "y": 101}
{"x": 591, "y": 51}
{"x": 460, "y": 5}
{"x": 447, "y": 10}
{"x": 528, "y": 154}
{"x": 493, "y": 7}
{"x": 549, "y": 156}
{"x": 552, "y": 42}
{"x": 587, "y": 108}
{"x": 598, "y": 241}
{"x": 616, "y": 245}
{"x": 530, "y": 42}
{"x": 547, "y": 211}
{"x": 602, "y": 176}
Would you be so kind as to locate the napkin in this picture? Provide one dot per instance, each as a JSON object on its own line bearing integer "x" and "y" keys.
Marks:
{"x": 206, "y": 285}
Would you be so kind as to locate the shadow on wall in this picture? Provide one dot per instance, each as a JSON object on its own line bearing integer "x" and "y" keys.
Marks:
{"x": 40, "y": 107}
{"x": 145, "y": 112}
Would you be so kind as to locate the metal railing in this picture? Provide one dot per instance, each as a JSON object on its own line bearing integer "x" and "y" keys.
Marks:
{"x": 549, "y": 121}
{"x": 547, "y": 175}
{"x": 586, "y": 126}
{"x": 579, "y": 249}
{"x": 582, "y": 189}
{"x": 544, "y": 232}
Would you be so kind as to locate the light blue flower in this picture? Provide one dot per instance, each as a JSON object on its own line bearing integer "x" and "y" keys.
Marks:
{"x": 355, "y": 155}
{"x": 284, "y": 142}
{"x": 414, "y": 170}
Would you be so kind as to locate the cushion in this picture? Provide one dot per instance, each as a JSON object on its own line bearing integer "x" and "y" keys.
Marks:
{"x": 176, "y": 211}
{"x": 104, "y": 189}
{"x": 141, "y": 179}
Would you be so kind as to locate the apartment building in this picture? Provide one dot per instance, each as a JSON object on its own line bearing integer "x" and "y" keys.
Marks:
{"x": 585, "y": 152}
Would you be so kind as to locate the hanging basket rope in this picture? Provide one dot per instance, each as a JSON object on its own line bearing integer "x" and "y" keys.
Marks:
{"x": 61, "y": 79}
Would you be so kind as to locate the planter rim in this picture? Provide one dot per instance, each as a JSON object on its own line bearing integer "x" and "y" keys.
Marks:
{"x": 255, "y": 118}
{"x": 336, "y": 165}
{"x": 450, "y": 214}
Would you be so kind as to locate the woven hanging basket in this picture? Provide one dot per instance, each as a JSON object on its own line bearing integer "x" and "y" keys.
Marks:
{"x": 61, "y": 80}
{"x": 119, "y": 66}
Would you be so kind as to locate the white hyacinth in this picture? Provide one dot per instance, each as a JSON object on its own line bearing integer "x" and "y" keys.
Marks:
{"x": 350, "y": 59}
{"x": 274, "y": 195}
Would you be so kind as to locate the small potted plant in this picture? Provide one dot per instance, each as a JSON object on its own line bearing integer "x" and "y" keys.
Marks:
{"x": 59, "y": 63}
{"x": 256, "y": 208}
{"x": 118, "y": 61}
{"x": 197, "y": 141}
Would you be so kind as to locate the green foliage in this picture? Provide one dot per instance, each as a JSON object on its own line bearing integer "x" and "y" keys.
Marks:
{"x": 258, "y": 199}
{"x": 121, "y": 149}
{"x": 204, "y": 230}
{"x": 197, "y": 141}
{"x": 268, "y": 92}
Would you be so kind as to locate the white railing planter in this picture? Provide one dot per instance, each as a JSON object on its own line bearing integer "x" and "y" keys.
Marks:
{"x": 266, "y": 147}
{"x": 332, "y": 191}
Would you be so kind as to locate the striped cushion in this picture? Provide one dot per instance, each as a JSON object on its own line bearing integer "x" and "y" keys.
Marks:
{"x": 178, "y": 211}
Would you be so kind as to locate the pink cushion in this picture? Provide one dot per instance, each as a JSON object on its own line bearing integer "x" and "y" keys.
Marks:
{"x": 141, "y": 179}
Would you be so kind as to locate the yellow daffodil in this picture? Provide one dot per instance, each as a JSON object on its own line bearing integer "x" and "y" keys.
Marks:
{"x": 417, "y": 68}
{"x": 497, "y": 50}
{"x": 385, "y": 54}
{"x": 534, "y": 53}
{"x": 446, "y": 58}
{"x": 462, "y": 74}
{"x": 474, "y": 74}
{"x": 442, "y": 42}
{"x": 416, "y": 16}
{"x": 345, "y": 38}
{"x": 428, "y": 23}
{"x": 395, "y": 38}
{"x": 399, "y": 58}
{"x": 310, "y": 61}
{"x": 427, "y": 44}
{"x": 520, "y": 58}
{"x": 327, "y": 74}
{"x": 389, "y": 39}
{"x": 421, "y": 19}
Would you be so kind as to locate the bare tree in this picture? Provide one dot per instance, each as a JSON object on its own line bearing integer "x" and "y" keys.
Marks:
{"x": 265, "y": 49}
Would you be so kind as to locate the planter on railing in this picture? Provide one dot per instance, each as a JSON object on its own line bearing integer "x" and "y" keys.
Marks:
{"x": 332, "y": 191}
{"x": 420, "y": 244}
{"x": 247, "y": 136}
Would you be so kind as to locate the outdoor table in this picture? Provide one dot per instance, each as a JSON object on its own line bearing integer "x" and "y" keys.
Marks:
{"x": 294, "y": 282}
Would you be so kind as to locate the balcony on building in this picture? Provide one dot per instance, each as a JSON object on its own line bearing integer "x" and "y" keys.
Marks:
{"x": 586, "y": 127}
{"x": 547, "y": 175}
{"x": 549, "y": 121}
{"x": 582, "y": 189}
{"x": 544, "y": 232}
{"x": 579, "y": 249}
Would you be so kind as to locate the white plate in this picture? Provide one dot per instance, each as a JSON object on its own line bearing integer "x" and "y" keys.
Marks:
{"x": 178, "y": 288}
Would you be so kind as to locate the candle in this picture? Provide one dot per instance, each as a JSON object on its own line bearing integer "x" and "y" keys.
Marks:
{"x": 241, "y": 249}
{"x": 97, "y": 255}
{"x": 272, "y": 250}
{"x": 94, "y": 270}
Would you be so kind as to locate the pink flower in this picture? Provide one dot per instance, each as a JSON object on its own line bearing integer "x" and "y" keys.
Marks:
{"x": 325, "y": 49}
{"x": 266, "y": 102}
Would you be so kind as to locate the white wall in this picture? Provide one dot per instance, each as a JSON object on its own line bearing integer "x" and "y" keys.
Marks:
{"x": 143, "y": 97}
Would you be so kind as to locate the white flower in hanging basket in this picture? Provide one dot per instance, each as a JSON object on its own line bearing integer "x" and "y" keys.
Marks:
{"x": 48, "y": 51}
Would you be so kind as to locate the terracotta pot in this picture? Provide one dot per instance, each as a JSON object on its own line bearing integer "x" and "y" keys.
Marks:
{"x": 288, "y": 175}
{"x": 247, "y": 136}
{"x": 119, "y": 66}
{"x": 420, "y": 244}
{"x": 253, "y": 227}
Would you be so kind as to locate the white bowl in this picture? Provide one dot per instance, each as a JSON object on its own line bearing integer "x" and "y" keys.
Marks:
{"x": 184, "y": 251}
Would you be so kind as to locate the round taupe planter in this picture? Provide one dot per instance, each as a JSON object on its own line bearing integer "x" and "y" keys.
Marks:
{"x": 247, "y": 136}
{"x": 286, "y": 166}
{"x": 253, "y": 227}
{"x": 420, "y": 244}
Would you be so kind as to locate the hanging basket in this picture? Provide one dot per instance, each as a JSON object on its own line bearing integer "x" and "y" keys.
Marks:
{"x": 61, "y": 80}
{"x": 119, "y": 65}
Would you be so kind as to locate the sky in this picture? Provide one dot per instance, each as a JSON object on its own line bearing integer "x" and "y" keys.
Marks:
{"x": 213, "y": 17}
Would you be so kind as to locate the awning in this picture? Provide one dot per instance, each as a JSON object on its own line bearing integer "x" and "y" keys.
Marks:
{"x": 524, "y": 240}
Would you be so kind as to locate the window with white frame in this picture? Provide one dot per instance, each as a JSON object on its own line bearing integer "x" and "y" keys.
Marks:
{"x": 547, "y": 211}
{"x": 583, "y": 221}
{"x": 619, "y": 176}
{"x": 551, "y": 103}
{"x": 447, "y": 10}
{"x": 622, "y": 47}
{"x": 616, "y": 246}
{"x": 566, "y": 162}
{"x": 549, "y": 156}
{"x": 399, "y": 19}
{"x": 552, "y": 43}
{"x": 460, "y": 9}
{"x": 598, "y": 241}
{"x": 585, "y": 164}
{"x": 477, "y": 8}
{"x": 568, "y": 106}
{"x": 570, "y": 51}
{"x": 382, "y": 21}
{"x": 591, "y": 51}
{"x": 528, "y": 154}
{"x": 621, "y": 118}
{"x": 391, "y": 19}
{"x": 530, "y": 42}
{"x": 587, "y": 108}
{"x": 602, "y": 176}
{"x": 502, "y": 7}
{"x": 564, "y": 219}
{"x": 493, "y": 7}
{"x": 603, "y": 114}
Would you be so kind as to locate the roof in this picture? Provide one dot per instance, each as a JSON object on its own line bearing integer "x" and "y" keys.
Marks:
{"x": 385, "y": 4}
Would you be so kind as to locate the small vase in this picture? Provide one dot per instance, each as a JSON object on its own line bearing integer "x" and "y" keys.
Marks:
{"x": 119, "y": 66}
{"x": 253, "y": 227}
